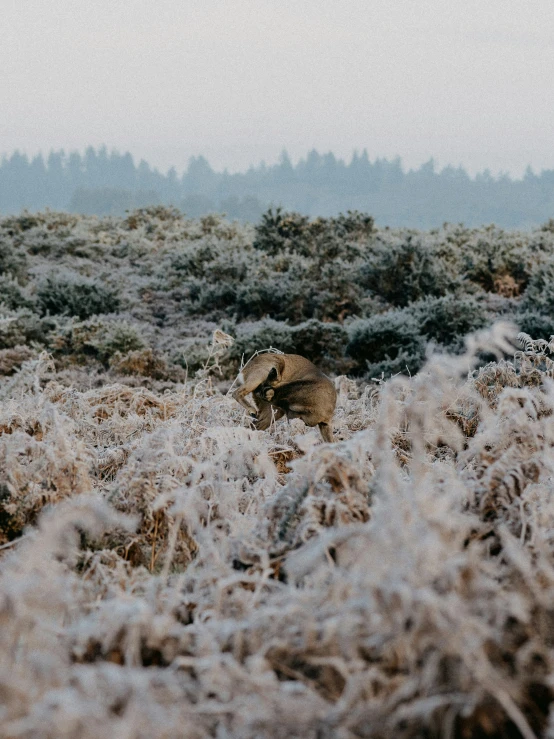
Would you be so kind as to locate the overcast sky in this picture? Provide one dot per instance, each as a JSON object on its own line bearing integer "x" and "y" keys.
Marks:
{"x": 466, "y": 81}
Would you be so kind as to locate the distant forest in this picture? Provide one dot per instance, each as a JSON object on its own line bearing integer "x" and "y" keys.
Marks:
{"x": 102, "y": 182}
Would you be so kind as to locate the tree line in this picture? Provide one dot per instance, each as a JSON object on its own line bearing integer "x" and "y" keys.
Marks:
{"x": 102, "y": 182}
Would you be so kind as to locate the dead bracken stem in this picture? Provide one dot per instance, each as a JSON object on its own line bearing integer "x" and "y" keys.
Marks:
{"x": 154, "y": 538}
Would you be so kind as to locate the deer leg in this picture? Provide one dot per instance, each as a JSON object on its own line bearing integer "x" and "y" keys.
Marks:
{"x": 326, "y": 432}
{"x": 249, "y": 382}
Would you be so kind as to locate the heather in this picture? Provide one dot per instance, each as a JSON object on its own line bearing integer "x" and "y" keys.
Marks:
{"x": 355, "y": 298}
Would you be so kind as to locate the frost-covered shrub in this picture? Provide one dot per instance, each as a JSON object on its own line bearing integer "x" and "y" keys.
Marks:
{"x": 386, "y": 344}
{"x": 13, "y": 258}
{"x": 150, "y": 214}
{"x": 180, "y": 278}
{"x": 395, "y": 341}
{"x": 12, "y": 359}
{"x": 498, "y": 261}
{"x": 18, "y": 327}
{"x": 447, "y": 320}
{"x": 12, "y": 295}
{"x": 96, "y": 339}
{"x": 321, "y": 238}
{"x": 278, "y": 231}
{"x": 145, "y": 363}
{"x": 280, "y": 296}
{"x": 539, "y": 294}
{"x": 214, "y": 299}
{"x": 190, "y": 261}
{"x": 196, "y": 355}
{"x": 407, "y": 269}
{"x": 22, "y": 222}
{"x": 73, "y": 295}
{"x": 279, "y": 299}
{"x": 535, "y": 323}
{"x": 206, "y": 259}
{"x": 334, "y": 292}
{"x": 117, "y": 336}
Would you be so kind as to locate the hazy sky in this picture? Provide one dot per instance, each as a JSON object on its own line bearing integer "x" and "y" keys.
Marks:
{"x": 466, "y": 81}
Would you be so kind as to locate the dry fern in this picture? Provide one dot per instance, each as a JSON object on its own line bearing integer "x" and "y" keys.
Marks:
{"x": 188, "y": 571}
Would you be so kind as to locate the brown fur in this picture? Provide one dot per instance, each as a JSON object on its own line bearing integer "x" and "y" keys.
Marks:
{"x": 287, "y": 384}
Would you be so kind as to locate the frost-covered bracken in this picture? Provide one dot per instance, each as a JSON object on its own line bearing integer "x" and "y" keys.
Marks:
{"x": 168, "y": 571}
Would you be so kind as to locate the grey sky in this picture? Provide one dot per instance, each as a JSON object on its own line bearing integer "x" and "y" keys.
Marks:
{"x": 465, "y": 81}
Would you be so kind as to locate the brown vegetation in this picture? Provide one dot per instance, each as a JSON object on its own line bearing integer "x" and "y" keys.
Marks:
{"x": 167, "y": 569}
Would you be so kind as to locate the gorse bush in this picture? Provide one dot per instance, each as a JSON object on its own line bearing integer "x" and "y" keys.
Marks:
{"x": 494, "y": 260}
{"x": 535, "y": 323}
{"x": 539, "y": 294}
{"x": 408, "y": 270}
{"x": 73, "y": 295}
{"x": 96, "y": 339}
{"x": 13, "y": 260}
{"x": 386, "y": 344}
{"x": 12, "y": 295}
{"x": 448, "y": 319}
{"x": 173, "y": 280}
{"x": 322, "y": 238}
{"x": 395, "y": 341}
{"x": 21, "y": 327}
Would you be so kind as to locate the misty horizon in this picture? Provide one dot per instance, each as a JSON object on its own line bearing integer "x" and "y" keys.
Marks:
{"x": 101, "y": 182}
{"x": 297, "y": 160}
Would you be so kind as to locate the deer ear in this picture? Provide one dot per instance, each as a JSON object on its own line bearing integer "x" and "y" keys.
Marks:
{"x": 272, "y": 375}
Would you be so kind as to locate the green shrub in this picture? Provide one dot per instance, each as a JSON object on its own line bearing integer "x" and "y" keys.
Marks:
{"x": 23, "y": 222}
{"x": 406, "y": 271}
{"x": 322, "y": 343}
{"x": 386, "y": 344}
{"x": 190, "y": 261}
{"x": 536, "y": 324}
{"x": 267, "y": 297}
{"x": 395, "y": 341}
{"x": 539, "y": 295}
{"x": 195, "y": 355}
{"x": 119, "y": 336}
{"x": 278, "y": 231}
{"x": 322, "y": 238}
{"x": 12, "y": 295}
{"x": 145, "y": 216}
{"x": 214, "y": 299}
{"x": 282, "y": 297}
{"x": 13, "y": 258}
{"x": 493, "y": 258}
{"x": 448, "y": 319}
{"x": 74, "y": 295}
